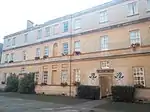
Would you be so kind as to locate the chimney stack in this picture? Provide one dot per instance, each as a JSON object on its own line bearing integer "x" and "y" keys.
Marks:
{"x": 29, "y": 24}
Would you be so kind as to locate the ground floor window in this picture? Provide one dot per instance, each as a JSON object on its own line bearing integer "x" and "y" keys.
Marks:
{"x": 64, "y": 76}
{"x": 77, "y": 75}
{"x": 37, "y": 77}
{"x": 138, "y": 75}
{"x": 45, "y": 77}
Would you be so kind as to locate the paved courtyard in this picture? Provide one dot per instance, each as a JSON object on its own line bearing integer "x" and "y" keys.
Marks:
{"x": 31, "y": 103}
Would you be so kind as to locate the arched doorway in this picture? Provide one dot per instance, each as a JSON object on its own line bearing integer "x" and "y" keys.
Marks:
{"x": 55, "y": 49}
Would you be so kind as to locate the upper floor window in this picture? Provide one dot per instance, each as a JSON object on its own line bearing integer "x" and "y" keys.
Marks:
{"x": 65, "y": 48}
{"x": 8, "y": 42}
{"x": 13, "y": 41}
{"x": 37, "y": 52}
{"x": 47, "y": 31}
{"x": 105, "y": 64}
{"x": 37, "y": 77}
{"x": 148, "y": 4}
{"x": 39, "y": 36}
{"x": 77, "y": 45}
{"x": 104, "y": 42}
{"x": 45, "y": 77}
{"x": 103, "y": 17}
{"x": 138, "y": 75}
{"x": 132, "y": 8}
{"x": 12, "y": 56}
{"x": 25, "y": 38}
{"x": 56, "y": 29}
{"x": 65, "y": 26}
{"x": 77, "y": 24}
{"x": 135, "y": 37}
{"x": 24, "y": 55}
{"x": 46, "y": 51}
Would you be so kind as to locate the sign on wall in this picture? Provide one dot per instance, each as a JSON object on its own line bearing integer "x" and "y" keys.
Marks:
{"x": 119, "y": 76}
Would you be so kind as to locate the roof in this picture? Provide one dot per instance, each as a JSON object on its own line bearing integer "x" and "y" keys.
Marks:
{"x": 102, "y": 6}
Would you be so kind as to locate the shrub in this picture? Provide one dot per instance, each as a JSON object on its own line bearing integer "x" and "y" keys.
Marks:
{"x": 27, "y": 84}
{"x": 12, "y": 84}
{"x": 88, "y": 92}
{"x": 123, "y": 93}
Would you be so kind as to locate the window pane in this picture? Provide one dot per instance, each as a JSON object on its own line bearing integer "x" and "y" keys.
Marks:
{"x": 77, "y": 46}
{"x": 66, "y": 26}
{"x": 135, "y": 36}
{"x": 103, "y": 17}
{"x": 77, "y": 24}
{"x": 38, "y": 52}
{"x": 47, "y": 31}
{"x": 46, "y": 51}
{"x": 104, "y": 43}
{"x": 39, "y": 34}
{"x": 65, "y": 48}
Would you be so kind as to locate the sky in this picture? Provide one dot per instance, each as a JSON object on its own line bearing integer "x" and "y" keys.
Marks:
{"x": 15, "y": 13}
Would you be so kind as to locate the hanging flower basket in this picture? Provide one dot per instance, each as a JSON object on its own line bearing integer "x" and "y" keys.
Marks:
{"x": 64, "y": 84}
{"x": 44, "y": 57}
{"x": 135, "y": 45}
{"x": 77, "y": 53}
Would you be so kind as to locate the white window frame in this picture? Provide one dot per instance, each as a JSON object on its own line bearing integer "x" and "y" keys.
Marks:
{"x": 77, "y": 46}
{"x": 37, "y": 52}
{"x": 138, "y": 75}
{"x": 105, "y": 64}
{"x": 65, "y": 23}
{"x": 46, "y": 51}
{"x": 37, "y": 77}
{"x": 39, "y": 34}
{"x": 132, "y": 8}
{"x": 14, "y": 41}
{"x": 64, "y": 76}
{"x": 65, "y": 49}
{"x": 12, "y": 57}
{"x": 77, "y": 74}
{"x": 45, "y": 77}
{"x": 135, "y": 37}
{"x": 47, "y": 31}
{"x": 103, "y": 16}
{"x": 8, "y": 42}
{"x": 25, "y": 38}
{"x": 77, "y": 24}
{"x": 6, "y": 57}
{"x": 104, "y": 42}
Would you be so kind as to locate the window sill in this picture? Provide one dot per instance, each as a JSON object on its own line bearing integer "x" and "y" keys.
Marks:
{"x": 133, "y": 15}
{"x": 77, "y": 29}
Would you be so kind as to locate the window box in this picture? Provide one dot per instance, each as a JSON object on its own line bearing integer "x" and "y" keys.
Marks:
{"x": 6, "y": 61}
{"x": 43, "y": 84}
{"x": 11, "y": 61}
{"x": 77, "y": 53}
{"x": 3, "y": 82}
{"x": 76, "y": 83}
{"x": 135, "y": 45}
{"x": 37, "y": 58}
{"x": 64, "y": 84}
{"x": 64, "y": 54}
{"x": 45, "y": 56}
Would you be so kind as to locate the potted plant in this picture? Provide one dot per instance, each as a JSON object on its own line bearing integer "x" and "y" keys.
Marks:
{"x": 135, "y": 45}
{"x": 11, "y": 61}
{"x": 43, "y": 84}
{"x": 3, "y": 82}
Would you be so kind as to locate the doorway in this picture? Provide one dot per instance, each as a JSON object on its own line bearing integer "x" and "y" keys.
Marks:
{"x": 55, "y": 77}
{"x": 105, "y": 85}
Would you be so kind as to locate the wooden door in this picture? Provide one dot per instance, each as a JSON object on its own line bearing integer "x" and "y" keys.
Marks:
{"x": 105, "y": 84}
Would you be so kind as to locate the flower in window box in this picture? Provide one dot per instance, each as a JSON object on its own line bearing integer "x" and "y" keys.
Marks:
{"x": 3, "y": 82}
{"x": 64, "y": 84}
{"x": 77, "y": 53}
{"x": 37, "y": 58}
{"x": 45, "y": 56}
{"x": 76, "y": 83}
{"x": 11, "y": 61}
{"x": 43, "y": 84}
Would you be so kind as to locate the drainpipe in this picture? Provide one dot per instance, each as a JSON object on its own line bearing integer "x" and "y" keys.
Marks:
{"x": 70, "y": 56}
